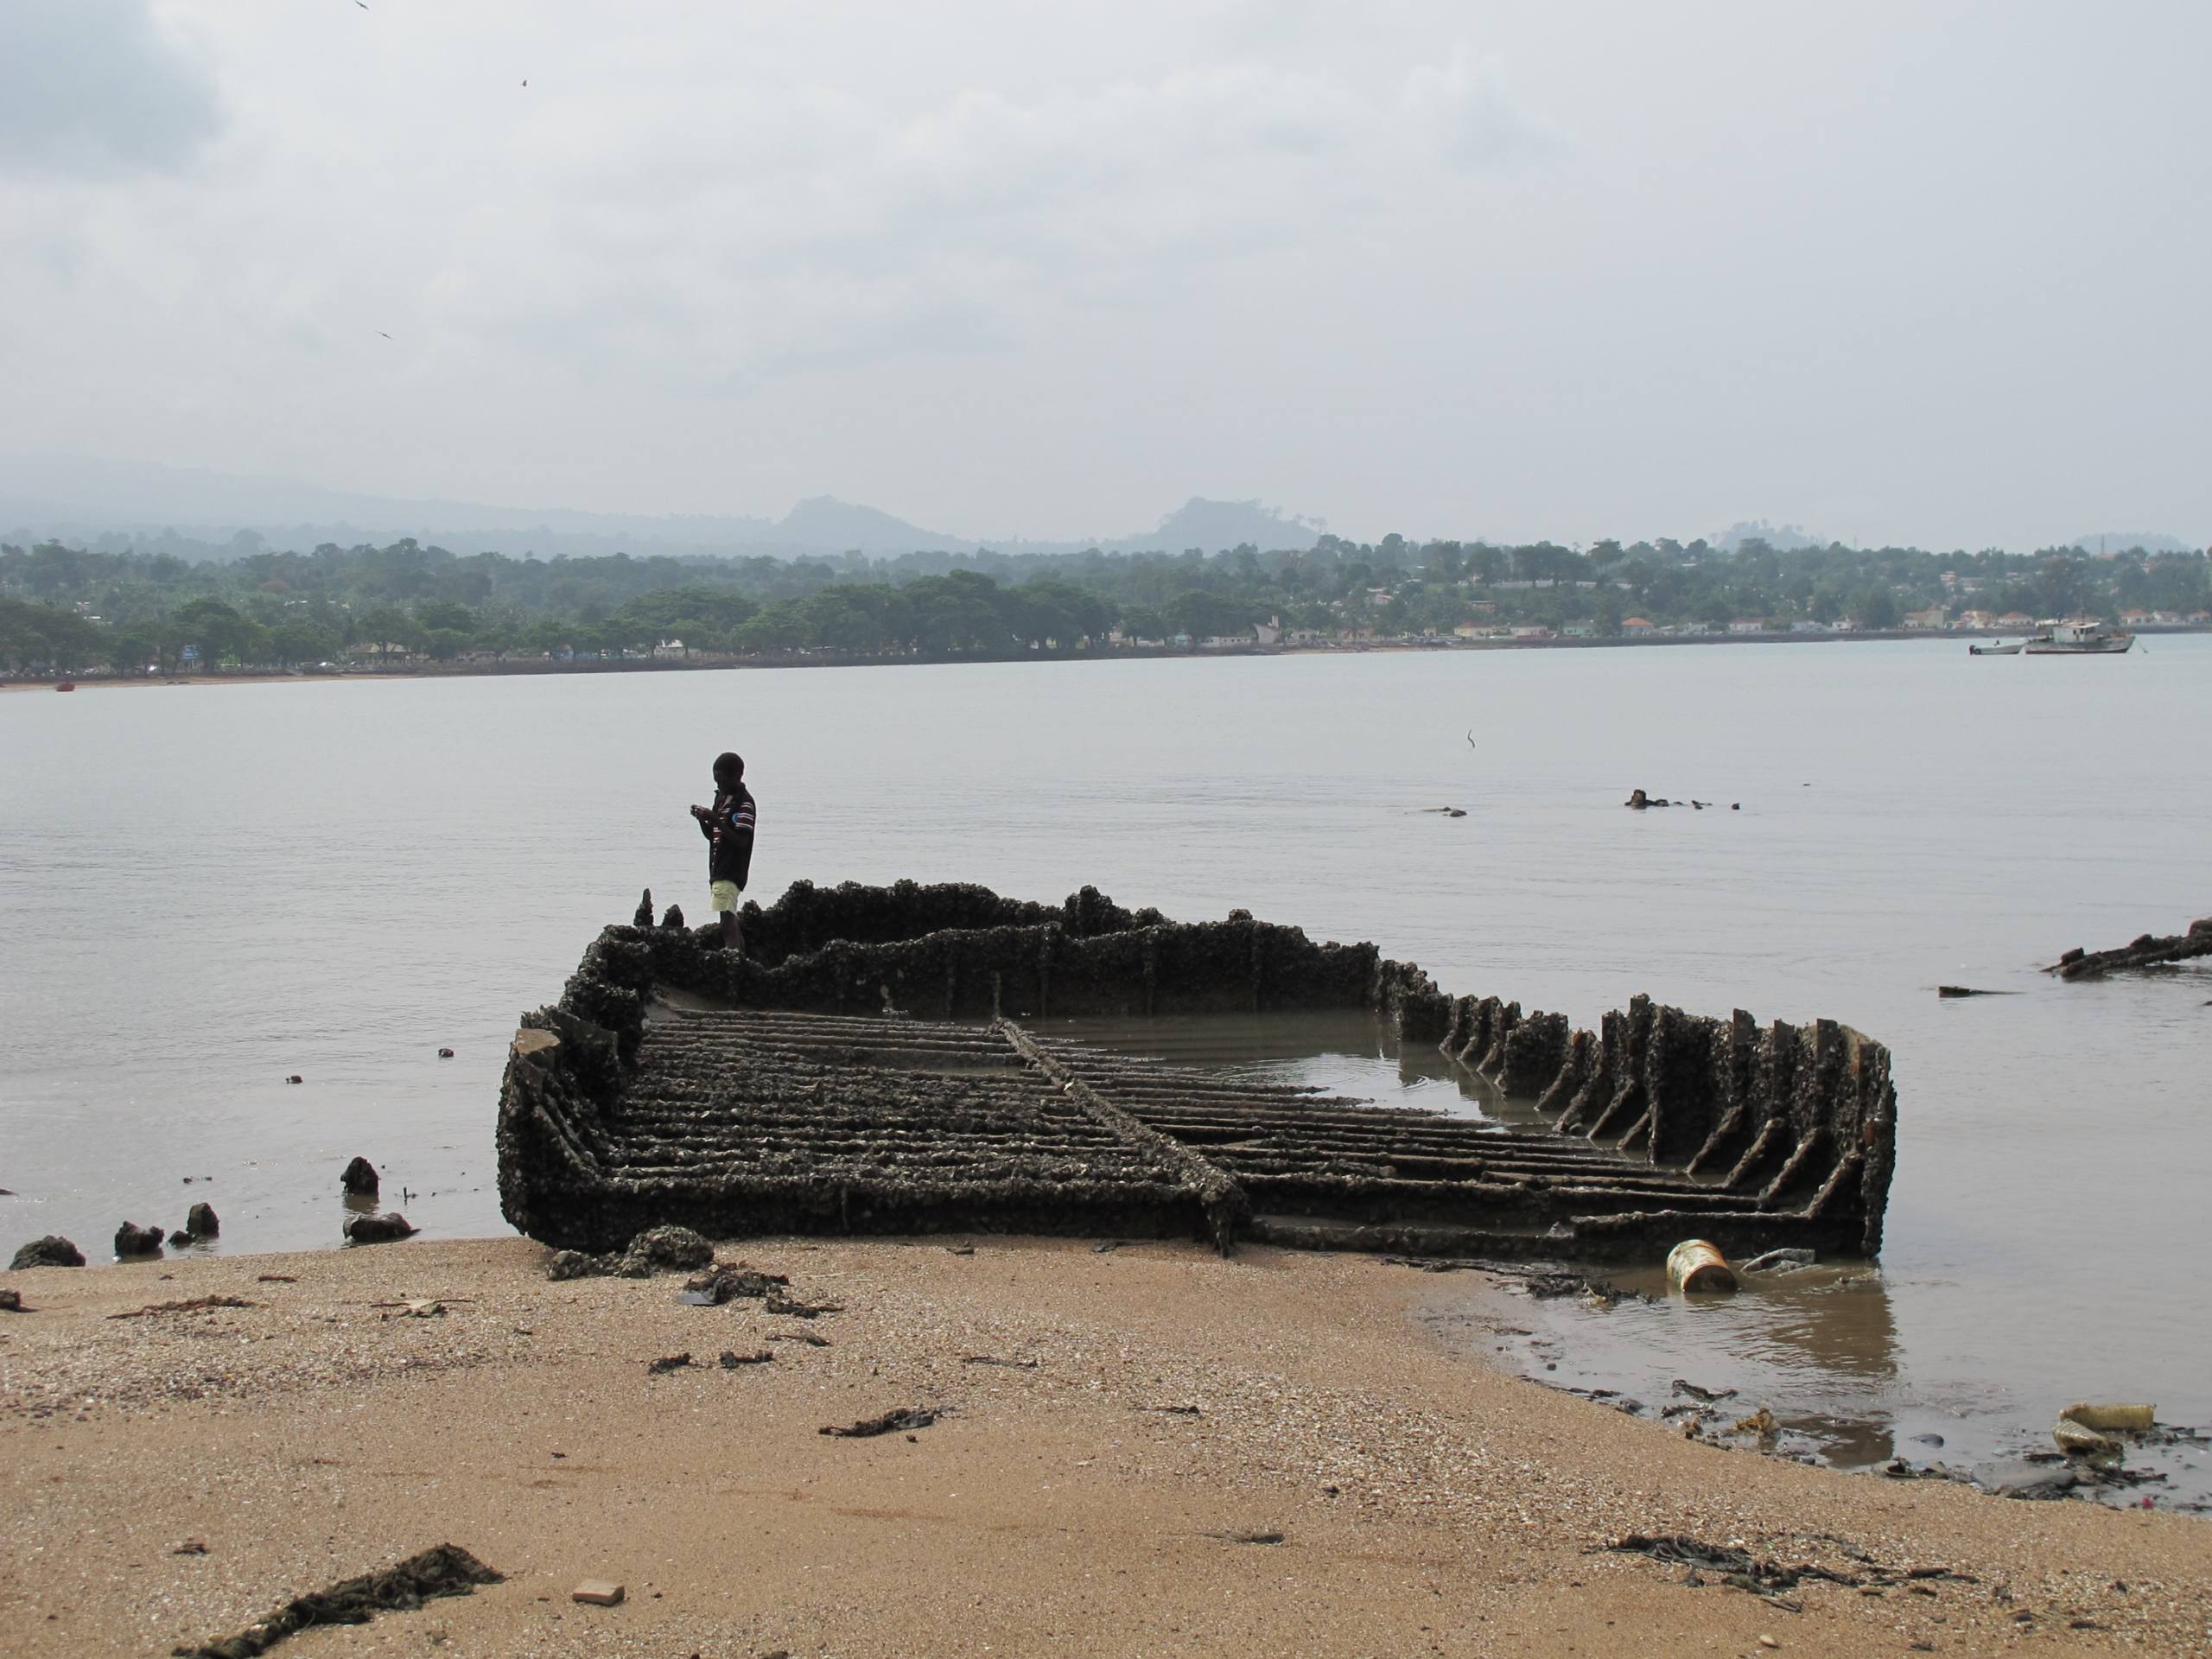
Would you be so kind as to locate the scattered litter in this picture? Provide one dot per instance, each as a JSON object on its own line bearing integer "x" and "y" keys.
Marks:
{"x": 731, "y": 1360}
{"x": 992, "y": 1359}
{"x": 190, "y": 1547}
{"x": 598, "y": 1593}
{"x": 667, "y": 1363}
{"x": 279, "y": 1279}
{"x": 1246, "y": 1537}
{"x": 446, "y": 1570}
{"x": 890, "y": 1422}
{"x": 807, "y": 1336}
{"x": 1761, "y": 1423}
{"x": 1695, "y": 1268}
{"x": 2138, "y": 1418}
{"x": 1175, "y": 1411}
{"x": 960, "y": 1250}
{"x": 196, "y": 1305}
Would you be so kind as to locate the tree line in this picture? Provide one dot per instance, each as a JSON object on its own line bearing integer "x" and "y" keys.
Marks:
{"x": 70, "y": 608}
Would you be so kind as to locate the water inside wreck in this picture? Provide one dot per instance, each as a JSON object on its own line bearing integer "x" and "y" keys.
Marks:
{"x": 1817, "y": 1347}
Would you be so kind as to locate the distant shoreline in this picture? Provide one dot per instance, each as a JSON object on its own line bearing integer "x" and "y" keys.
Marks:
{"x": 704, "y": 662}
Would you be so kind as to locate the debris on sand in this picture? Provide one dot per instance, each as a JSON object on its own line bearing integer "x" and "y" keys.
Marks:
{"x": 666, "y": 1363}
{"x": 598, "y": 1593}
{"x": 810, "y": 1338}
{"x": 992, "y": 1359}
{"x": 446, "y": 1570}
{"x": 1242, "y": 1537}
{"x": 656, "y": 1250}
{"x": 11, "y": 1301}
{"x": 51, "y": 1251}
{"x": 196, "y": 1305}
{"x": 729, "y": 1284}
{"x": 731, "y": 1360}
{"x": 1762, "y": 1576}
{"x": 890, "y": 1423}
{"x": 790, "y": 1309}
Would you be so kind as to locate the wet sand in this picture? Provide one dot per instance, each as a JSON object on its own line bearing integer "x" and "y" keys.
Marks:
{"x": 1425, "y": 1503}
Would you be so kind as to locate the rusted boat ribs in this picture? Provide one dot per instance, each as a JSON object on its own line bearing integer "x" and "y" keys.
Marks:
{"x": 877, "y": 1063}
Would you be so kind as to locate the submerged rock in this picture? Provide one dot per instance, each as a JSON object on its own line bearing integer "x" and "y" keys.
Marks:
{"x": 359, "y": 1178}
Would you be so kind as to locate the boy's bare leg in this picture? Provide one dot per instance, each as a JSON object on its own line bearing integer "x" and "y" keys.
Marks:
{"x": 733, "y": 932}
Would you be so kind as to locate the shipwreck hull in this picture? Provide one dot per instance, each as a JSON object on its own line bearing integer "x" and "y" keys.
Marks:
{"x": 874, "y": 1065}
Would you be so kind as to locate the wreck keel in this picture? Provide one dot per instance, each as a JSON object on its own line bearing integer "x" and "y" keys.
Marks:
{"x": 875, "y": 1064}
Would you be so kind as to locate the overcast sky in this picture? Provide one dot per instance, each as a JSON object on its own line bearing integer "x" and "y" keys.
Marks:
{"x": 1922, "y": 271}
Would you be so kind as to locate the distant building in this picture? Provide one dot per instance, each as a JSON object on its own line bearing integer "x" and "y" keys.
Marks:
{"x": 1637, "y": 626}
{"x": 1984, "y": 619}
{"x": 1933, "y": 617}
{"x": 1531, "y": 631}
{"x": 1579, "y": 631}
{"x": 1267, "y": 632}
{"x": 2013, "y": 621}
{"x": 1748, "y": 625}
{"x": 671, "y": 648}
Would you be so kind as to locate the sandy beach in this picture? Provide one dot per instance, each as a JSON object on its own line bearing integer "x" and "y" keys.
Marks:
{"x": 1116, "y": 1425}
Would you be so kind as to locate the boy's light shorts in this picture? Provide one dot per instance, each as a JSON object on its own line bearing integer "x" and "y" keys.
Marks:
{"x": 722, "y": 895}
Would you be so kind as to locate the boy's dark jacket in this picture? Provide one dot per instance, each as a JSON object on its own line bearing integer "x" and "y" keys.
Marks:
{"x": 729, "y": 830}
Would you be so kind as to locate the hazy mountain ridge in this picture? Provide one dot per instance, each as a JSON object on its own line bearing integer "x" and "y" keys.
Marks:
{"x": 76, "y": 499}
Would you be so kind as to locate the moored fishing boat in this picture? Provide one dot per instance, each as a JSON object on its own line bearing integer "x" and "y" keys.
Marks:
{"x": 1999, "y": 649}
{"x": 2079, "y": 638}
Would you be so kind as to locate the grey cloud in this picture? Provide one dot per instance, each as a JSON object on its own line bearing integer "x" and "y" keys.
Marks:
{"x": 93, "y": 88}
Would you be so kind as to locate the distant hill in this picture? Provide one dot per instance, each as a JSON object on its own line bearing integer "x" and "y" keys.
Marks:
{"x": 87, "y": 500}
{"x": 2119, "y": 541}
{"x": 1782, "y": 538}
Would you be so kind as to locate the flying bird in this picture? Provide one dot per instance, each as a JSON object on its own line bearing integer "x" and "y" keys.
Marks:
{"x": 379, "y": 331}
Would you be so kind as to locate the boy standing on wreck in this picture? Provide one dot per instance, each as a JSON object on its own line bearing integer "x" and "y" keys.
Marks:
{"x": 728, "y": 826}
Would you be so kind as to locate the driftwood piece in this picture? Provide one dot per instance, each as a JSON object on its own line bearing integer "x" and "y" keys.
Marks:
{"x": 2144, "y": 950}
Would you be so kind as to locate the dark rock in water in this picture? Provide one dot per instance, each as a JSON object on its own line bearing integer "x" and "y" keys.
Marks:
{"x": 131, "y": 1239}
{"x": 673, "y": 921}
{"x": 1969, "y": 990}
{"x": 2144, "y": 950}
{"x": 200, "y": 1221}
{"x": 1928, "y": 1439}
{"x": 180, "y": 1238}
{"x": 644, "y": 916}
{"x": 51, "y": 1251}
{"x": 445, "y": 1053}
{"x": 295, "y": 1077}
{"x": 1637, "y": 800}
{"x": 359, "y": 1178}
{"x": 379, "y": 1229}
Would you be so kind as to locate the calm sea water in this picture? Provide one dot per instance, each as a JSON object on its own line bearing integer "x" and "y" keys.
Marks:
{"x": 204, "y": 889}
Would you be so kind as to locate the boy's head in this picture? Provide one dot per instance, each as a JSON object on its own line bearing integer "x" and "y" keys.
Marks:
{"x": 729, "y": 770}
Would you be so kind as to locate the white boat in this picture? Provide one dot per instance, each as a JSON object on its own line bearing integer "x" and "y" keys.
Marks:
{"x": 2079, "y": 639}
{"x": 1999, "y": 649}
